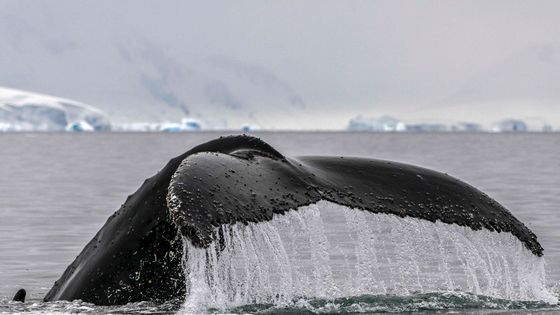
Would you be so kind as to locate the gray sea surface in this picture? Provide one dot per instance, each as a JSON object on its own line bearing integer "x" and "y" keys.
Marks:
{"x": 58, "y": 189}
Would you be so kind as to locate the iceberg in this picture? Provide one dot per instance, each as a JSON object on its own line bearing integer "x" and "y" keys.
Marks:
{"x": 190, "y": 124}
{"x": 186, "y": 124}
{"x": 171, "y": 127}
{"x": 466, "y": 127}
{"x": 427, "y": 127}
{"x": 80, "y": 126}
{"x": 391, "y": 124}
{"x": 27, "y": 111}
{"x": 136, "y": 127}
{"x": 249, "y": 128}
{"x": 510, "y": 125}
{"x": 383, "y": 123}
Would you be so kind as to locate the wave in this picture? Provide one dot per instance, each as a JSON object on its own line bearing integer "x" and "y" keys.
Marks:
{"x": 417, "y": 302}
{"x": 447, "y": 301}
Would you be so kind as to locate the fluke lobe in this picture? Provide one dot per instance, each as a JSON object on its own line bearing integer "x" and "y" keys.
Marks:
{"x": 137, "y": 254}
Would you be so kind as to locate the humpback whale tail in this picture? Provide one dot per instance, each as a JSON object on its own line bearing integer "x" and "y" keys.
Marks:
{"x": 233, "y": 221}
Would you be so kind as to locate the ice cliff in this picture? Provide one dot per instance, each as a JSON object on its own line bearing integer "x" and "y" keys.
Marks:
{"x": 27, "y": 111}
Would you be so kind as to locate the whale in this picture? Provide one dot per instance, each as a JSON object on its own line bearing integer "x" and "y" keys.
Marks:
{"x": 137, "y": 254}
{"x": 19, "y": 296}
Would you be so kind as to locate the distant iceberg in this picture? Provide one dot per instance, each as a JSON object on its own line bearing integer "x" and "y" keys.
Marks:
{"x": 466, "y": 127}
{"x": 249, "y": 128}
{"x": 547, "y": 128}
{"x": 391, "y": 124}
{"x": 186, "y": 124}
{"x": 427, "y": 127}
{"x": 27, "y": 111}
{"x": 136, "y": 127}
{"x": 444, "y": 127}
{"x": 510, "y": 125}
{"x": 380, "y": 124}
{"x": 191, "y": 124}
{"x": 80, "y": 126}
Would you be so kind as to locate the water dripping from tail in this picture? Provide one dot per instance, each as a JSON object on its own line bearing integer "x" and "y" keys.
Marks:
{"x": 325, "y": 251}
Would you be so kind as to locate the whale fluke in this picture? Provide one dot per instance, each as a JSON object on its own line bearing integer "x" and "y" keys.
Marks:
{"x": 137, "y": 255}
{"x": 210, "y": 189}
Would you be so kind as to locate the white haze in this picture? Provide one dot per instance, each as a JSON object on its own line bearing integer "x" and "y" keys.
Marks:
{"x": 287, "y": 64}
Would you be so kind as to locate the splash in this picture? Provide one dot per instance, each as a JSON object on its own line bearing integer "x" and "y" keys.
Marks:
{"x": 329, "y": 251}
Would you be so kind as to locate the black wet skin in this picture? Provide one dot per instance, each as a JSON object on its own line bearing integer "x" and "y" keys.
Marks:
{"x": 136, "y": 256}
{"x": 19, "y": 296}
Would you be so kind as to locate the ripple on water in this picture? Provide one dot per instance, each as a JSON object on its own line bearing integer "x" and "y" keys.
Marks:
{"x": 443, "y": 302}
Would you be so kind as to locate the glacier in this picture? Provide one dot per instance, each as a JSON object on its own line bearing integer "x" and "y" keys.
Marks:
{"x": 28, "y": 111}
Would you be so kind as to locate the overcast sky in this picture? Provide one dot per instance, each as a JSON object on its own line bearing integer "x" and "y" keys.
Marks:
{"x": 326, "y": 60}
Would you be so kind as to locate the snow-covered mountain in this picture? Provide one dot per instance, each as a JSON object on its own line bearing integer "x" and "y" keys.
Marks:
{"x": 26, "y": 111}
{"x": 99, "y": 59}
{"x": 277, "y": 66}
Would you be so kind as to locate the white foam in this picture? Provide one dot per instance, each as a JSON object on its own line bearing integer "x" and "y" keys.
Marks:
{"x": 325, "y": 250}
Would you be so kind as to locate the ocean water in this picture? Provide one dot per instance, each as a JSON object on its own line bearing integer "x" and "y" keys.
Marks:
{"x": 57, "y": 190}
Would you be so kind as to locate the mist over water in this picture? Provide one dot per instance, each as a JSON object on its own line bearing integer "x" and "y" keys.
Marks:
{"x": 56, "y": 191}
